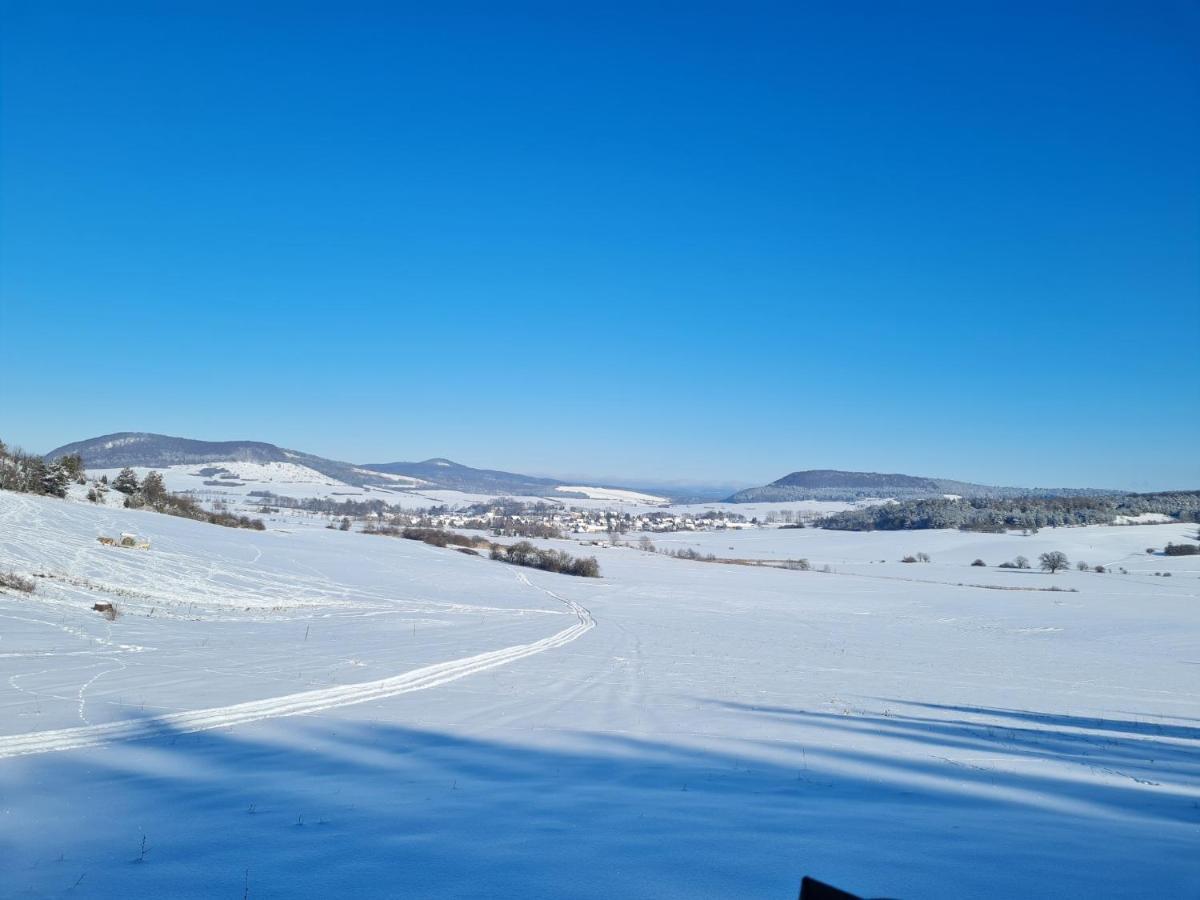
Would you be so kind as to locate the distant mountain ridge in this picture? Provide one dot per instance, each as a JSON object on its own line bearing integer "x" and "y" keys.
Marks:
{"x": 147, "y": 449}
{"x": 832, "y": 484}
{"x": 143, "y": 448}
{"x": 454, "y": 476}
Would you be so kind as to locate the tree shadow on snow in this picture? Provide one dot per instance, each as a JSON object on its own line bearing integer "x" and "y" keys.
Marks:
{"x": 328, "y": 806}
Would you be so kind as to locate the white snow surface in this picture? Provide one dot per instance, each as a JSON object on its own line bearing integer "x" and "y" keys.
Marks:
{"x": 320, "y": 713}
{"x": 615, "y": 494}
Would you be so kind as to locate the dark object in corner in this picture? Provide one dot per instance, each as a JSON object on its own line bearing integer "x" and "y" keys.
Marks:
{"x": 811, "y": 889}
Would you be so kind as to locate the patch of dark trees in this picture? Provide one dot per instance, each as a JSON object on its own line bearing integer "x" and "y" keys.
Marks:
{"x": 996, "y": 515}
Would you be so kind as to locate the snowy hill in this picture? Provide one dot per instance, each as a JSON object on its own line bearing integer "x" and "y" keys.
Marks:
{"x": 833, "y": 484}
{"x": 449, "y": 475}
{"x": 157, "y": 451}
{"x": 225, "y": 469}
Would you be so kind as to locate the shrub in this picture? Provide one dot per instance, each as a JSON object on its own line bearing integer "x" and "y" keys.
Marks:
{"x": 1021, "y": 562}
{"x": 1181, "y": 550}
{"x": 1100, "y": 569}
{"x": 437, "y": 537}
{"x": 15, "y": 582}
{"x": 979, "y": 562}
{"x": 1008, "y": 565}
{"x": 1082, "y": 566}
{"x": 909, "y": 559}
{"x": 801, "y": 565}
{"x": 524, "y": 553}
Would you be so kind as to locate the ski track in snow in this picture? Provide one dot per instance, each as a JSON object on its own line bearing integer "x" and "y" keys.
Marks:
{"x": 303, "y": 703}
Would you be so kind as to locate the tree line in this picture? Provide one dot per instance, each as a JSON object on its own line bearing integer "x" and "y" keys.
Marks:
{"x": 28, "y": 473}
{"x": 151, "y": 493}
{"x": 522, "y": 553}
{"x": 996, "y": 515}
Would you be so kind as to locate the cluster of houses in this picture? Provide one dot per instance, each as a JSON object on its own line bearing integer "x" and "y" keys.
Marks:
{"x": 542, "y": 520}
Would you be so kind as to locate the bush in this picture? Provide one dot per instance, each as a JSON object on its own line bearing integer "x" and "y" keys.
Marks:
{"x": 801, "y": 565}
{"x": 1181, "y": 550}
{"x": 1021, "y": 562}
{"x": 14, "y": 582}
{"x": 435, "y": 537}
{"x": 909, "y": 559}
{"x": 1082, "y": 566}
{"x": 524, "y": 553}
{"x": 979, "y": 562}
{"x": 1100, "y": 569}
{"x": 1008, "y": 565}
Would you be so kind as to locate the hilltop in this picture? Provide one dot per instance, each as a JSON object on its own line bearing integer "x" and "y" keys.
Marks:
{"x": 261, "y": 461}
{"x": 833, "y": 484}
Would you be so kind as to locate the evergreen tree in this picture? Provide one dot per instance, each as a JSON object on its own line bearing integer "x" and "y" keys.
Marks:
{"x": 55, "y": 479}
{"x": 126, "y": 482}
{"x": 153, "y": 488}
{"x": 73, "y": 463}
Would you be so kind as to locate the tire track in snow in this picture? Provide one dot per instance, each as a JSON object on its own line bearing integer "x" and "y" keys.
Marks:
{"x": 303, "y": 703}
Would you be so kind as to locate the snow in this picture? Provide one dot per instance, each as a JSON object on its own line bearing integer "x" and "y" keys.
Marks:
{"x": 406, "y": 480}
{"x": 808, "y": 509}
{"x": 1142, "y": 519}
{"x": 320, "y": 713}
{"x": 280, "y": 478}
{"x": 614, "y": 494}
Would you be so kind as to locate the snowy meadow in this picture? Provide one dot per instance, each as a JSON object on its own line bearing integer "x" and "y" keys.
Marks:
{"x": 310, "y": 711}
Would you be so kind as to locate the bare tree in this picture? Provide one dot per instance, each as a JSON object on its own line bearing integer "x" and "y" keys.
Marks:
{"x": 1053, "y": 561}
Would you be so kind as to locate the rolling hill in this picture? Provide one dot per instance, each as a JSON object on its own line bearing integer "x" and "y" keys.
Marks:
{"x": 832, "y": 484}
{"x": 149, "y": 450}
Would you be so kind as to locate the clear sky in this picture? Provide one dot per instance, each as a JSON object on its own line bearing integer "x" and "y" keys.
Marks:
{"x": 657, "y": 242}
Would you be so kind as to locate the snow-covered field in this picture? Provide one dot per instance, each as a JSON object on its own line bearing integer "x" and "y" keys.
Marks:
{"x": 234, "y": 482}
{"x": 319, "y": 713}
{"x": 615, "y": 495}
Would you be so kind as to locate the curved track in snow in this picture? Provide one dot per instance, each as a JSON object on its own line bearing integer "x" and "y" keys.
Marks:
{"x": 295, "y": 704}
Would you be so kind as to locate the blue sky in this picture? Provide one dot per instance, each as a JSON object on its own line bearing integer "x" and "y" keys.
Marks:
{"x": 657, "y": 242}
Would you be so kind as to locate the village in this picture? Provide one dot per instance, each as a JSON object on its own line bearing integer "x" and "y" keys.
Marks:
{"x": 516, "y": 519}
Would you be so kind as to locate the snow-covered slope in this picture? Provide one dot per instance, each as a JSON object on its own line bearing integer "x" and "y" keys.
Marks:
{"x": 615, "y": 494}
{"x": 323, "y": 713}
